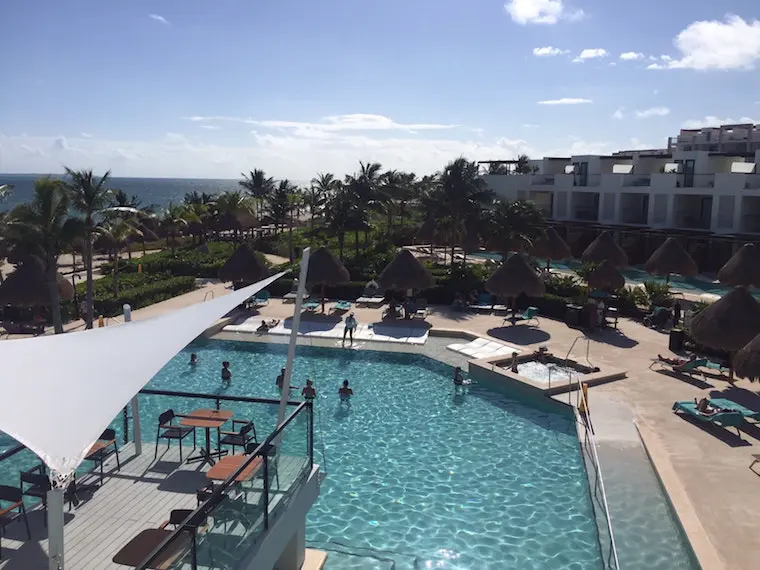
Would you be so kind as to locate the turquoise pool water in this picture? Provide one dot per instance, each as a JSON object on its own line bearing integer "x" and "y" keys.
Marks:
{"x": 416, "y": 477}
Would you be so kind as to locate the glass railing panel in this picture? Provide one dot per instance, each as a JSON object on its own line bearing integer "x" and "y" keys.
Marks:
{"x": 291, "y": 463}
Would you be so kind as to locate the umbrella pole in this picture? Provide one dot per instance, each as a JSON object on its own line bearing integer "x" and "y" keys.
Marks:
{"x": 55, "y": 528}
{"x": 514, "y": 310}
{"x": 323, "y": 298}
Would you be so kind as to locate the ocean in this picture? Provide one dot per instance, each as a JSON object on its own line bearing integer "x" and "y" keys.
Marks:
{"x": 159, "y": 191}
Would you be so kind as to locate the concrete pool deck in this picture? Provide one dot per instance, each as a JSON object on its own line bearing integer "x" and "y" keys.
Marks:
{"x": 705, "y": 470}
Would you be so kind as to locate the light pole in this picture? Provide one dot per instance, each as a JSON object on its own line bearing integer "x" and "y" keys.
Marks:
{"x": 74, "y": 277}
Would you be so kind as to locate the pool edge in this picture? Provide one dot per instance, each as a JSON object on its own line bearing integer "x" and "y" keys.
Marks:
{"x": 696, "y": 536}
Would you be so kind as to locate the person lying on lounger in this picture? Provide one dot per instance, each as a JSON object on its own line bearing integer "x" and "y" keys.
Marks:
{"x": 705, "y": 408}
{"x": 676, "y": 361}
{"x": 266, "y": 325}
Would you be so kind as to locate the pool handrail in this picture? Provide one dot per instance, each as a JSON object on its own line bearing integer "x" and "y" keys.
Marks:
{"x": 590, "y": 438}
{"x": 217, "y": 496}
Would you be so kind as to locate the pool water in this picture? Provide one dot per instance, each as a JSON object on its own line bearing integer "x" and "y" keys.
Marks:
{"x": 545, "y": 373}
{"x": 417, "y": 477}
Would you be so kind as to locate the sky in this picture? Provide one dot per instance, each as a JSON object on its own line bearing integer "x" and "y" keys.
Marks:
{"x": 193, "y": 88}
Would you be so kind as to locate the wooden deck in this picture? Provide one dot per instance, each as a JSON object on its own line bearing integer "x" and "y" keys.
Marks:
{"x": 139, "y": 496}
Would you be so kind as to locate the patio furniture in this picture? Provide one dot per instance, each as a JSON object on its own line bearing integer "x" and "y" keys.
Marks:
{"x": 261, "y": 298}
{"x": 485, "y": 302}
{"x": 206, "y": 419}
{"x": 35, "y": 328}
{"x": 611, "y": 317}
{"x": 139, "y": 548}
{"x": 342, "y": 306}
{"x": 35, "y": 483}
{"x": 686, "y": 368}
{"x": 756, "y": 459}
{"x": 13, "y": 496}
{"x": 725, "y": 404}
{"x": 103, "y": 449}
{"x": 172, "y": 432}
{"x": 529, "y": 314}
{"x": 311, "y": 306}
{"x": 226, "y": 466}
{"x": 239, "y": 438}
{"x": 372, "y": 294}
{"x": 422, "y": 308}
{"x": 722, "y": 418}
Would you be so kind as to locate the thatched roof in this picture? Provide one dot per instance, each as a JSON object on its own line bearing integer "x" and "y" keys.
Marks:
{"x": 27, "y": 286}
{"x": 729, "y": 323}
{"x": 428, "y": 233}
{"x": 326, "y": 269}
{"x": 603, "y": 248}
{"x": 244, "y": 265}
{"x": 515, "y": 277}
{"x": 606, "y": 276}
{"x": 236, "y": 221}
{"x": 743, "y": 269}
{"x": 746, "y": 362}
{"x": 551, "y": 246}
{"x": 669, "y": 258}
{"x": 405, "y": 272}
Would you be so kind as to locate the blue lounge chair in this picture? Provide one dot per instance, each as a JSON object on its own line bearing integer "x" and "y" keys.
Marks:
{"x": 529, "y": 314}
{"x": 722, "y": 418}
{"x": 687, "y": 367}
{"x": 342, "y": 306}
{"x": 726, "y": 404}
{"x": 311, "y": 305}
{"x": 261, "y": 298}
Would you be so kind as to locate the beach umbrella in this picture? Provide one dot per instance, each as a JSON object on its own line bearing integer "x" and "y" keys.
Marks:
{"x": 604, "y": 248}
{"x": 729, "y": 324}
{"x": 405, "y": 272}
{"x": 244, "y": 265}
{"x": 513, "y": 278}
{"x": 743, "y": 269}
{"x": 238, "y": 221}
{"x": 669, "y": 258}
{"x": 746, "y": 362}
{"x": 325, "y": 269}
{"x": 27, "y": 286}
{"x": 551, "y": 247}
{"x": 606, "y": 276}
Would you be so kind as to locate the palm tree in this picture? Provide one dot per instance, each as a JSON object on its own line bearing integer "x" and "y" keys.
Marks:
{"x": 279, "y": 203}
{"x": 172, "y": 222}
{"x": 522, "y": 165}
{"x": 89, "y": 194}
{"x": 233, "y": 204}
{"x": 339, "y": 212}
{"x": 114, "y": 236}
{"x": 323, "y": 187}
{"x": 259, "y": 185}
{"x": 120, "y": 199}
{"x": 512, "y": 226}
{"x": 43, "y": 228}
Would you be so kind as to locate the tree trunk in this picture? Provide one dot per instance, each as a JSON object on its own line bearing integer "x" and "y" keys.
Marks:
{"x": 356, "y": 241}
{"x": 323, "y": 298}
{"x": 453, "y": 247}
{"x": 341, "y": 239}
{"x": 143, "y": 246}
{"x": 290, "y": 240}
{"x": 90, "y": 316}
{"x": 116, "y": 273}
{"x": 402, "y": 212}
{"x": 390, "y": 222}
{"x": 55, "y": 301}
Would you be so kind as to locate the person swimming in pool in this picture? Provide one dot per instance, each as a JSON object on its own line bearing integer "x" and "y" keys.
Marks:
{"x": 309, "y": 392}
{"x": 345, "y": 392}
{"x": 193, "y": 359}
{"x": 226, "y": 372}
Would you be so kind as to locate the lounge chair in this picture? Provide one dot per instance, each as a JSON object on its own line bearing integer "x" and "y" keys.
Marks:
{"x": 372, "y": 295}
{"x": 722, "y": 418}
{"x": 311, "y": 306}
{"x": 261, "y": 298}
{"x": 726, "y": 404}
{"x": 686, "y": 368}
{"x": 529, "y": 314}
{"x": 342, "y": 306}
{"x": 294, "y": 291}
{"x": 485, "y": 302}
{"x": 421, "y": 311}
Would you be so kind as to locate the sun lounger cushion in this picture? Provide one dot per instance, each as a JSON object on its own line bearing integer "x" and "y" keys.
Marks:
{"x": 733, "y": 406}
{"x": 723, "y": 418}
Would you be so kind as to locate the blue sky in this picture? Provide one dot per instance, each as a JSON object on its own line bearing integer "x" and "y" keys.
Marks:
{"x": 208, "y": 89}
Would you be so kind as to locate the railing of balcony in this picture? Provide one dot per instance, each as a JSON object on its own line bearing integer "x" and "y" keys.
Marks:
{"x": 542, "y": 180}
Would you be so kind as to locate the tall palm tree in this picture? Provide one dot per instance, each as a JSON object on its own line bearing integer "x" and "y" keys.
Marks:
{"x": 43, "y": 228}
{"x": 88, "y": 194}
{"x": 259, "y": 185}
{"x": 279, "y": 203}
{"x": 339, "y": 212}
{"x": 233, "y": 205}
{"x": 512, "y": 226}
{"x": 323, "y": 187}
{"x": 114, "y": 236}
{"x": 172, "y": 223}
{"x": 522, "y": 165}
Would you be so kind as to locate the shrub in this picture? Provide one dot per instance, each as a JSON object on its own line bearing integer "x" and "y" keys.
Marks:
{"x": 564, "y": 286}
{"x": 658, "y": 294}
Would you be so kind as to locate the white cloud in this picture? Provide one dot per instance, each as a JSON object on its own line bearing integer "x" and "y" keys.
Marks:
{"x": 631, "y": 56}
{"x": 85, "y": 135}
{"x": 653, "y": 112}
{"x": 352, "y": 122}
{"x": 713, "y": 44}
{"x": 619, "y": 114}
{"x": 566, "y": 101}
{"x": 211, "y": 127}
{"x": 549, "y": 51}
{"x": 529, "y": 126}
{"x": 540, "y": 11}
{"x": 590, "y": 53}
{"x": 713, "y": 121}
{"x": 158, "y": 18}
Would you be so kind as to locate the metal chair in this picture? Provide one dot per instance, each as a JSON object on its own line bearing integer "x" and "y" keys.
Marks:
{"x": 239, "y": 438}
{"x": 38, "y": 485}
{"x": 171, "y": 432}
{"x": 103, "y": 449}
{"x": 13, "y": 496}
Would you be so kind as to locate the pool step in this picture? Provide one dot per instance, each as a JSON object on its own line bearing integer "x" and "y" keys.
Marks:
{"x": 363, "y": 558}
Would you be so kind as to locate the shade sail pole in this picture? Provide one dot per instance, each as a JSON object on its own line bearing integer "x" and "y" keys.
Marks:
{"x": 293, "y": 336}
{"x": 55, "y": 528}
{"x": 134, "y": 404}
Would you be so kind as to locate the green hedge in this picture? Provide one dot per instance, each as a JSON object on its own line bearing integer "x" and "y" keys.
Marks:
{"x": 184, "y": 262}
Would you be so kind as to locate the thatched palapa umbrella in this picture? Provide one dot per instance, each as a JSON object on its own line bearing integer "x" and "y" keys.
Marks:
{"x": 604, "y": 248}
{"x": 669, "y": 258}
{"x": 551, "y": 247}
{"x": 405, "y": 272}
{"x": 325, "y": 269}
{"x": 746, "y": 362}
{"x": 743, "y": 269}
{"x": 27, "y": 286}
{"x": 514, "y": 278}
{"x": 606, "y": 276}
{"x": 245, "y": 266}
{"x": 728, "y": 324}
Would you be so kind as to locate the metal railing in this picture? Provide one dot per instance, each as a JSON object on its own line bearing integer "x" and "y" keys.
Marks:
{"x": 589, "y": 442}
{"x": 219, "y": 502}
{"x": 207, "y": 294}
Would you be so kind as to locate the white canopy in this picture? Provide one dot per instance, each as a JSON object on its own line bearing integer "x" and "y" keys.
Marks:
{"x": 61, "y": 391}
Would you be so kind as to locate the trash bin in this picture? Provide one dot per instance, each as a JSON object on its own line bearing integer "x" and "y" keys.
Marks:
{"x": 677, "y": 336}
{"x": 573, "y": 315}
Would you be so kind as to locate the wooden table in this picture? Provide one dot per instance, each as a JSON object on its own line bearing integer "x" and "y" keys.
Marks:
{"x": 228, "y": 465}
{"x": 206, "y": 418}
{"x": 140, "y": 547}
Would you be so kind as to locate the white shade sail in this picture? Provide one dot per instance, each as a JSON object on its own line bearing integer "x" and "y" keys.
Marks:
{"x": 61, "y": 391}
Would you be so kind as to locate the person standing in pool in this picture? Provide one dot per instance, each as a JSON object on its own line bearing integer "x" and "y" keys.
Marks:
{"x": 345, "y": 392}
{"x": 309, "y": 392}
{"x": 280, "y": 382}
{"x": 226, "y": 372}
{"x": 193, "y": 359}
{"x": 351, "y": 324}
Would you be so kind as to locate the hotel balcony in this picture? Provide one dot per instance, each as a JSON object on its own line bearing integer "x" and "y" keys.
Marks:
{"x": 542, "y": 180}
{"x": 246, "y": 511}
